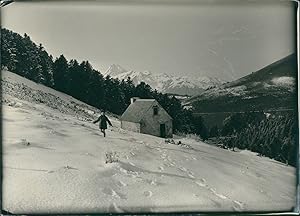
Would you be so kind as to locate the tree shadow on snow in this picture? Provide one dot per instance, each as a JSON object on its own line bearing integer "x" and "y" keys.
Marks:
{"x": 132, "y": 168}
{"x": 22, "y": 145}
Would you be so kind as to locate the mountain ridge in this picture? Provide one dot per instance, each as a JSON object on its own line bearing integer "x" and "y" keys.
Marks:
{"x": 271, "y": 87}
{"x": 181, "y": 85}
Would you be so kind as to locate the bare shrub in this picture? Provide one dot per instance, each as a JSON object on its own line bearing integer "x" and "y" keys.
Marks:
{"x": 111, "y": 157}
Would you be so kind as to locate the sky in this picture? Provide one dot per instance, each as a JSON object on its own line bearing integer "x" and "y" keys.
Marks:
{"x": 195, "y": 38}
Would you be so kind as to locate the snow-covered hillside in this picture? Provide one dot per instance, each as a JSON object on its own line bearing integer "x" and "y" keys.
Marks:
{"x": 164, "y": 82}
{"x": 54, "y": 162}
{"x": 270, "y": 88}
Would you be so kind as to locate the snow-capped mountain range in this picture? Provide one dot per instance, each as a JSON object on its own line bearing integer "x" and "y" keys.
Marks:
{"x": 165, "y": 83}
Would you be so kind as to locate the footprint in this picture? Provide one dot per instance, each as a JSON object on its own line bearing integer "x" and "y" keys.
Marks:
{"x": 212, "y": 190}
{"x": 111, "y": 192}
{"x": 217, "y": 194}
{"x": 132, "y": 164}
{"x": 130, "y": 173}
{"x": 121, "y": 184}
{"x": 148, "y": 193}
{"x": 114, "y": 208}
{"x": 161, "y": 168}
{"x": 191, "y": 176}
{"x": 151, "y": 182}
{"x": 200, "y": 184}
{"x": 221, "y": 196}
{"x": 238, "y": 206}
{"x": 123, "y": 170}
{"x": 172, "y": 164}
{"x": 183, "y": 169}
{"x": 115, "y": 194}
{"x": 167, "y": 165}
{"x": 158, "y": 149}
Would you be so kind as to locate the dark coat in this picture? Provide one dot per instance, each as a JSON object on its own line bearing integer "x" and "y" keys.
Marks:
{"x": 103, "y": 122}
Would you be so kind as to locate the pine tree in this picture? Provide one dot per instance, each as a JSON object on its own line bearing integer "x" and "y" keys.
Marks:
{"x": 200, "y": 127}
{"x": 74, "y": 79}
{"x": 60, "y": 73}
{"x": 95, "y": 91}
{"x": 20, "y": 55}
{"x": 46, "y": 63}
{"x": 214, "y": 131}
{"x": 143, "y": 90}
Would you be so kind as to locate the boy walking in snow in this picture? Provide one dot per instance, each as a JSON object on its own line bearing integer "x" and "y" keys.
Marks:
{"x": 103, "y": 122}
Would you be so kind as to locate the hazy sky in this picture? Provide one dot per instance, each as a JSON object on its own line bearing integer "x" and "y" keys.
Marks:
{"x": 193, "y": 39}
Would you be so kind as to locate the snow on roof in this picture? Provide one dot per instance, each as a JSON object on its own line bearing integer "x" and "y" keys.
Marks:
{"x": 136, "y": 110}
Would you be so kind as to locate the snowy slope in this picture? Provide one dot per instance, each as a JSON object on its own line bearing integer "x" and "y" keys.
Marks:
{"x": 165, "y": 83}
{"x": 270, "y": 88}
{"x": 54, "y": 162}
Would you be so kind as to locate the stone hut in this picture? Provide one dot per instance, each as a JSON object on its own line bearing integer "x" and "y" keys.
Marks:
{"x": 147, "y": 116}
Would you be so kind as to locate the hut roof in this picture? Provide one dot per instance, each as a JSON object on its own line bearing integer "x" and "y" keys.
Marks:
{"x": 136, "y": 110}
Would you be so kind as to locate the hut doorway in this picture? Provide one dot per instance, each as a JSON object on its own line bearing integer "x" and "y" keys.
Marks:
{"x": 163, "y": 130}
